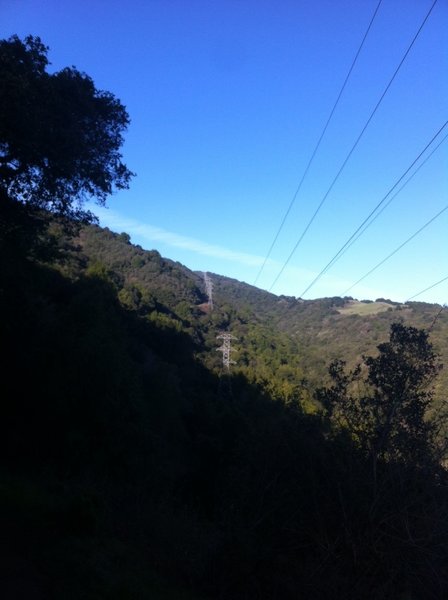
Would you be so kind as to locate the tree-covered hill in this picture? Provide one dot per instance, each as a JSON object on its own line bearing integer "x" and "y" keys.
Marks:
{"x": 133, "y": 466}
{"x": 287, "y": 341}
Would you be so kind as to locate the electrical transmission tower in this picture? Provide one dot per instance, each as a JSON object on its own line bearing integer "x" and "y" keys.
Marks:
{"x": 209, "y": 290}
{"x": 226, "y": 349}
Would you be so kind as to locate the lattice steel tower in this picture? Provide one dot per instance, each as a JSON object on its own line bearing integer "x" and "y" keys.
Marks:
{"x": 226, "y": 349}
{"x": 209, "y": 290}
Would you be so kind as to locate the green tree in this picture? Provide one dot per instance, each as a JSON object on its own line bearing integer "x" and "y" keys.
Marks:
{"x": 385, "y": 403}
{"x": 60, "y": 137}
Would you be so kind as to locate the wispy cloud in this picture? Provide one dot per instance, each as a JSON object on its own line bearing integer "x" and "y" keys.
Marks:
{"x": 292, "y": 282}
{"x": 150, "y": 234}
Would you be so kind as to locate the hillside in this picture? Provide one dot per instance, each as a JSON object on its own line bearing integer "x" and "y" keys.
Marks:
{"x": 133, "y": 466}
{"x": 283, "y": 339}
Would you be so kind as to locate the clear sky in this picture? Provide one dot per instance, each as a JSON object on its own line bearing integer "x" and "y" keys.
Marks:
{"x": 227, "y": 100}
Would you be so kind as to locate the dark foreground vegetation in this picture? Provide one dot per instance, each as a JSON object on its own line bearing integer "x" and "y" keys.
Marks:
{"x": 130, "y": 469}
{"x": 133, "y": 467}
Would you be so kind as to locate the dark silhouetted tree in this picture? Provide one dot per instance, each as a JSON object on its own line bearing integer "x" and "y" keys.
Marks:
{"x": 386, "y": 410}
{"x": 60, "y": 137}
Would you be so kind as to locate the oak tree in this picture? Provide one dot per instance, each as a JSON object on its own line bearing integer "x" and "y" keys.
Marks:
{"x": 60, "y": 137}
{"x": 386, "y": 403}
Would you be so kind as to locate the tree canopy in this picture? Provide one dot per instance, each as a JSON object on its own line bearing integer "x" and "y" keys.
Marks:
{"x": 60, "y": 137}
{"x": 386, "y": 410}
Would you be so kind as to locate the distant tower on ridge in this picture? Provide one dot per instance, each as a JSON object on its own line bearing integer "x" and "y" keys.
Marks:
{"x": 209, "y": 290}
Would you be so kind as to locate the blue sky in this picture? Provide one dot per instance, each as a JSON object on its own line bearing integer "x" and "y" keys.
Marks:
{"x": 227, "y": 100}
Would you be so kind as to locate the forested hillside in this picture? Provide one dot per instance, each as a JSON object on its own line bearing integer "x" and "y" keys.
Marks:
{"x": 285, "y": 342}
{"x": 134, "y": 466}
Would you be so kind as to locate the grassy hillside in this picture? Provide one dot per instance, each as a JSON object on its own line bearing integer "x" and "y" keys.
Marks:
{"x": 319, "y": 331}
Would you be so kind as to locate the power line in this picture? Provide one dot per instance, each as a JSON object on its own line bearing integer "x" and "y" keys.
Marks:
{"x": 428, "y": 288}
{"x": 397, "y": 249}
{"x": 355, "y": 144}
{"x": 434, "y": 321}
{"x": 318, "y": 142}
{"x": 365, "y": 224}
{"x": 374, "y": 218}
